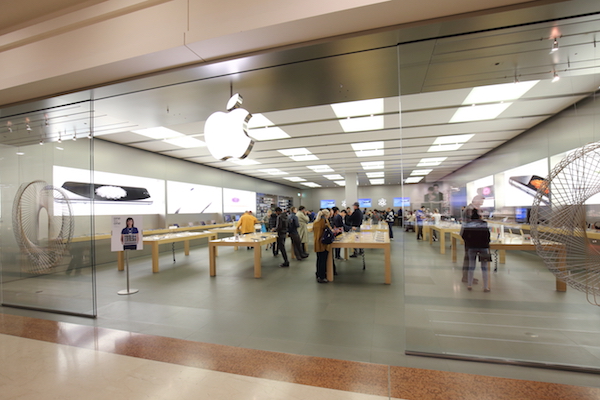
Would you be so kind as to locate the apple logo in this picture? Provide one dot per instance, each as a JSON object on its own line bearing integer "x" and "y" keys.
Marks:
{"x": 226, "y": 134}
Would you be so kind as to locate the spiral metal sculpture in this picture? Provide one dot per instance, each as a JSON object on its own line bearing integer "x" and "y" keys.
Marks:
{"x": 43, "y": 252}
{"x": 563, "y": 221}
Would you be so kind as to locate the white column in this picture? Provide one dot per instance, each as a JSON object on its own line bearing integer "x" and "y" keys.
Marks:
{"x": 351, "y": 188}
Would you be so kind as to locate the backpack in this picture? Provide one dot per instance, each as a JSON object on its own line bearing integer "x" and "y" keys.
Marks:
{"x": 328, "y": 236}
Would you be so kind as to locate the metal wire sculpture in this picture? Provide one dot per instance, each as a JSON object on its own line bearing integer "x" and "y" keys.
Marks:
{"x": 563, "y": 221}
{"x": 44, "y": 247}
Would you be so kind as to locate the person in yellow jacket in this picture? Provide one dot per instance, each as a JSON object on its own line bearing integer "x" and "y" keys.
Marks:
{"x": 321, "y": 249}
{"x": 246, "y": 223}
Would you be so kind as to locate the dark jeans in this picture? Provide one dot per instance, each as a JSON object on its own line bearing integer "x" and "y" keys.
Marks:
{"x": 281, "y": 246}
{"x": 419, "y": 230}
{"x": 390, "y": 224}
{"x": 322, "y": 264}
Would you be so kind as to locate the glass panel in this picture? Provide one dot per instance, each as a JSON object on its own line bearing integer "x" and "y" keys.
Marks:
{"x": 47, "y": 248}
{"x": 502, "y": 109}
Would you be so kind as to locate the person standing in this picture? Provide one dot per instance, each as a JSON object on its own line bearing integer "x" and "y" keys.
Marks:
{"x": 322, "y": 250}
{"x": 293, "y": 226}
{"x": 337, "y": 222}
{"x": 420, "y": 220}
{"x": 436, "y": 218}
{"x": 303, "y": 220}
{"x": 272, "y": 224}
{"x": 476, "y": 235}
{"x": 356, "y": 219}
{"x": 281, "y": 229}
{"x": 469, "y": 211}
{"x": 389, "y": 218}
{"x": 246, "y": 224}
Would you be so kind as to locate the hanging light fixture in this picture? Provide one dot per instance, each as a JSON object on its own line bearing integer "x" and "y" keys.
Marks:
{"x": 556, "y": 78}
{"x": 554, "y": 45}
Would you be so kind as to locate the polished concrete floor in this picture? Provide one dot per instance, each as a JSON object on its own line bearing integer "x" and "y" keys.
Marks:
{"x": 356, "y": 318}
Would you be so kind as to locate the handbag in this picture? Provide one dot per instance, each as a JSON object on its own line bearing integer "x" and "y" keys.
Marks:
{"x": 328, "y": 236}
{"x": 485, "y": 257}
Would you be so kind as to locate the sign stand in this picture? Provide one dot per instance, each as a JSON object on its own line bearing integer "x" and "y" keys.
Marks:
{"x": 128, "y": 290}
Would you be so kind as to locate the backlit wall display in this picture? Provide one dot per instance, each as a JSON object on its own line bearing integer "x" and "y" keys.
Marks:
{"x": 112, "y": 194}
{"x": 483, "y": 187}
{"x": 401, "y": 201}
{"x": 522, "y": 183}
{"x": 363, "y": 203}
{"x": 190, "y": 198}
{"x": 327, "y": 203}
{"x": 238, "y": 201}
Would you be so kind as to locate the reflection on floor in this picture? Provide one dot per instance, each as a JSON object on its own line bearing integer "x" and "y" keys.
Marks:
{"x": 356, "y": 318}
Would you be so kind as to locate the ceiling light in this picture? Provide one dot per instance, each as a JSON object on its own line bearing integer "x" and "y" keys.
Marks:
{"x": 380, "y": 174}
{"x": 431, "y": 162}
{"x": 267, "y": 133}
{"x": 554, "y": 46}
{"x": 358, "y": 108}
{"x": 20, "y": 153}
{"x": 497, "y": 93}
{"x": 421, "y": 172}
{"x": 299, "y": 154}
{"x": 159, "y": 132}
{"x": 273, "y": 171}
{"x": 310, "y": 184}
{"x": 373, "y": 164}
{"x": 368, "y": 149}
{"x": 245, "y": 161}
{"x": 259, "y": 121}
{"x": 295, "y": 179}
{"x": 556, "y": 78}
{"x": 445, "y": 147}
{"x": 340, "y": 183}
{"x": 479, "y": 113}
{"x": 371, "y": 123}
{"x": 415, "y": 179}
{"x": 449, "y": 143}
{"x": 186, "y": 142}
{"x": 377, "y": 181}
{"x": 334, "y": 177}
{"x": 320, "y": 168}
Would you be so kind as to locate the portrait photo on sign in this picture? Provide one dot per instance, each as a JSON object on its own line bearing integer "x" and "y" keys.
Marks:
{"x": 127, "y": 232}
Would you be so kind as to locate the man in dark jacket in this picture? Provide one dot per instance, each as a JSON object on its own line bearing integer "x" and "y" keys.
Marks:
{"x": 337, "y": 221}
{"x": 272, "y": 224}
{"x": 476, "y": 235}
{"x": 281, "y": 228}
{"x": 356, "y": 221}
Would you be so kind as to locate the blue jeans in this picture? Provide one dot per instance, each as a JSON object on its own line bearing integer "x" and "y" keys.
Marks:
{"x": 473, "y": 263}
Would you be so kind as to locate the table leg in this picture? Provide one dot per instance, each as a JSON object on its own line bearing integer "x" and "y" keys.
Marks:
{"x": 453, "y": 248}
{"x": 212, "y": 259}
{"x": 561, "y": 286}
{"x": 257, "y": 270}
{"x": 502, "y": 256}
{"x": 442, "y": 239}
{"x": 346, "y": 251}
{"x": 186, "y": 247}
{"x": 154, "y": 257}
{"x": 388, "y": 265}
{"x": 121, "y": 260}
{"x": 330, "y": 265}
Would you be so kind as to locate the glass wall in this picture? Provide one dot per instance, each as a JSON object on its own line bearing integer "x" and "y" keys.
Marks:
{"x": 531, "y": 102}
{"x": 47, "y": 246}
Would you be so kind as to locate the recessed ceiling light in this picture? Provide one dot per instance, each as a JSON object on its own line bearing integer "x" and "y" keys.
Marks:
{"x": 245, "y": 161}
{"x": 299, "y": 154}
{"x": 444, "y": 147}
{"x": 373, "y": 164}
{"x": 377, "y": 181}
{"x": 380, "y": 174}
{"x": 259, "y": 121}
{"x": 431, "y": 162}
{"x": 421, "y": 172}
{"x": 159, "y": 133}
{"x": 415, "y": 179}
{"x": 320, "y": 168}
{"x": 368, "y": 149}
{"x": 186, "y": 142}
{"x": 271, "y": 133}
{"x": 358, "y": 124}
{"x": 20, "y": 153}
{"x": 295, "y": 179}
{"x": 501, "y": 92}
{"x": 452, "y": 139}
{"x": 310, "y": 184}
{"x": 340, "y": 183}
{"x": 479, "y": 113}
{"x": 335, "y": 177}
{"x": 358, "y": 108}
{"x": 273, "y": 171}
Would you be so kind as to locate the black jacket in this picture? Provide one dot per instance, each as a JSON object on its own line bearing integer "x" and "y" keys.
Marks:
{"x": 476, "y": 235}
{"x": 356, "y": 218}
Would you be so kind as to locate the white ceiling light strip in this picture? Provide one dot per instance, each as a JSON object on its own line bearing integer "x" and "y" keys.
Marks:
{"x": 320, "y": 168}
{"x": 368, "y": 149}
{"x": 360, "y": 115}
{"x": 299, "y": 154}
{"x": 449, "y": 143}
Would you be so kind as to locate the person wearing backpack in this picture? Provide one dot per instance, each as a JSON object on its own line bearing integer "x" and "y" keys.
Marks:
{"x": 320, "y": 225}
{"x": 281, "y": 229}
{"x": 389, "y": 218}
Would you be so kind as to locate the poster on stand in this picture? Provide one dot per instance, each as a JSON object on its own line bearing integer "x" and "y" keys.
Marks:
{"x": 127, "y": 232}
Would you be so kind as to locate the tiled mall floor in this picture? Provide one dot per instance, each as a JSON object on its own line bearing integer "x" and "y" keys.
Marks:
{"x": 356, "y": 318}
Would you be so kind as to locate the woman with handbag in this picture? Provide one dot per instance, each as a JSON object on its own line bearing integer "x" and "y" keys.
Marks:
{"x": 476, "y": 235}
{"x": 321, "y": 223}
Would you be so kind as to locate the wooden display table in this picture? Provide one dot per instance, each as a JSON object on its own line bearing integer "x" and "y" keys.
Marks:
{"x": 156, "y": 240}
{"x": 255, "y": 240}
{"x": 513, "y": 243}
{"x": 362, "y": 240}
{"x": 371, "y": 228}
{"x": 442, "y": 230}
